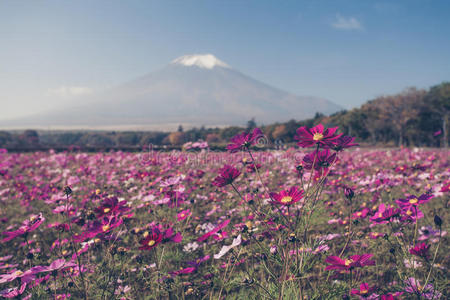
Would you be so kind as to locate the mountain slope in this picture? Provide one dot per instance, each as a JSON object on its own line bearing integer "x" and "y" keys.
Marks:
{"x": 193, "y": 90}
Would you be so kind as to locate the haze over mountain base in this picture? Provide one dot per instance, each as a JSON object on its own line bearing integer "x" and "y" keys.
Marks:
{"x": 193, "y": 90}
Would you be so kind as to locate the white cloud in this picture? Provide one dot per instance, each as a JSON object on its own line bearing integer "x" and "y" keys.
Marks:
{"x": 69, "y": 91}
{"x": 343, "y": 23}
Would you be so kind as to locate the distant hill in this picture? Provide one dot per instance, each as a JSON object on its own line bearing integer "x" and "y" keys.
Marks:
{"x": 410, "y": 118}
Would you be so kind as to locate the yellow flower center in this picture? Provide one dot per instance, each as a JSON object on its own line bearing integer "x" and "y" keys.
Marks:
{"x": 98, "y": 191}
{"x": 151, "y": 243}
{"x": 145, "y": 234}
{"x": 317, "y": 136}
{"x": 380, "y": 215}
{"x": 18, "y": 273}
{"x": 413, "y": 200}
{"x": 286, "y": 199}
{"x": 409, "y": 212}
{"x": 348, "y": 262}
{"x": 359, "y": 214}
{"x": 106, "y": 210}
{"x": 106, "y": 227}
{"x": 249, "y": 224}
{"x": 182, "y": 215}
{"x": 364, "y": 291}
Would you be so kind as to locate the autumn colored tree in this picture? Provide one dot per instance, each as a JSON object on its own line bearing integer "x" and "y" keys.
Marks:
{"x": 401, "y": 108}
{"x": 279, "y": 132}
{"x": 176, "y": 138}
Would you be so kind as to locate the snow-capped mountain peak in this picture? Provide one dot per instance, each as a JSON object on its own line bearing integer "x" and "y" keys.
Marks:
{"x": 206, "y": 61}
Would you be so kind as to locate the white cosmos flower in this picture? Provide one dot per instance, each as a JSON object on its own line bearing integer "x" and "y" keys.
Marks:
{"x": 236, "y": 242}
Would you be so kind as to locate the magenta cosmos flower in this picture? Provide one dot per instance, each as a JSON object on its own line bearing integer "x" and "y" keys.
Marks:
{"x": 413, "y": 286}
{"x": 320, "y": 160}
{"x": 288, "y": 197}
{"x": 26, "y": 276}
{"x": 308, "y": 137}
{"x": 183, "y": 215}
{"x": 343, "y": 142}
{"x": 159, "y": 235}
{"x": 112, "y": 206}
{"x": 384, "y": 214}
{"x": 151, "y": 240}
{"x": 411, "y": 213}
{"x": 54, "y": 266}
{"x": 103, "y": 226}
{"x": 13, "y": 292}
{"x": 364, "y": 290}
{"x": 413, "y": 201}
{"x": 214, "y": 231}
{"x": 27, "y": 226}
{"x": 226, "y": 176}
{"x": 244, "y": 140}
{"x": 420, "y": 250}
{"x": 354, "y": 261}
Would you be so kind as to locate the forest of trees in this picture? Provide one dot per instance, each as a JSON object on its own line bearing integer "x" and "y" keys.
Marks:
{"x": 414, "y": 117}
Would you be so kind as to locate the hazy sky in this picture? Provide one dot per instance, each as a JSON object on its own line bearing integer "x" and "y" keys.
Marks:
{"x": 346, "y": 51}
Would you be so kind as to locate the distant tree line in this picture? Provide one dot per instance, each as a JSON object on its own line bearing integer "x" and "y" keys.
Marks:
{"x": 414, "y": 117}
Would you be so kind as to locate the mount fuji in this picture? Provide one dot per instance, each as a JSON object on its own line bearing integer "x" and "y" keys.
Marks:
{"x": 193, "y": 90}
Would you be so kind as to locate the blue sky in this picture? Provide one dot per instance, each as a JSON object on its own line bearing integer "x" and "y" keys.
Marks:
{"x": 346, "y": 51}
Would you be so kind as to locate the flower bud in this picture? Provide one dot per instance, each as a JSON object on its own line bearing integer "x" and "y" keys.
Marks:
{"x": 349, "y": 194}
{"x": 67, "y": 190}
{"x": 437, "y": 221}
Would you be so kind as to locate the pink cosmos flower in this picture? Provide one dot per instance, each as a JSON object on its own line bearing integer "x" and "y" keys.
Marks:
{"x": 308, "y": 137}
{"x": 220, "y": 235}
{"x": 389, "y": 296}
{"x": 411, "y": 213}
{"x": 214, "y": 231}
{"x": 384, "y": 214}
{"x": 344, "y": 142}
{"x": 354, "y": 261}
{"x": 427, "y": 232}
{"x": 183, "y": 215}
{"x": 26, "y": 276}
{"x": 27, "y": 226}
{"x": 151, "y": 241}
{"x": 182, "y": 271}
{"x": 244, "y": 140}
{"x": 421, "y": 250}
{"x": 103, "y": 226}
{"x": 413, "y": 201}
{"x": 226, "y": 176}
{"x": 321, "y": 160}
{"x": 13, "y": 292}
{"x": 413, "y": 286}
{"x": 198, "y": 261}
{"x": 54, "y": 266}
{"x": 364, "y": 290}
{"x": 112, "y": 206}
{"x": 361, "y": 214}
{"x": 159, "y": 234}
{"x": 445, "y": 188}
{"x": 288, "y": 197}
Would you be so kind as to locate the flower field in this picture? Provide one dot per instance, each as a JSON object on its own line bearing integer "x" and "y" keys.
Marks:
{"x": 322, "y": 220}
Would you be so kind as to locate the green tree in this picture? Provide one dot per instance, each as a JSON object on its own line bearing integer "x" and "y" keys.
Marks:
{"x": 438, "y": 99}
